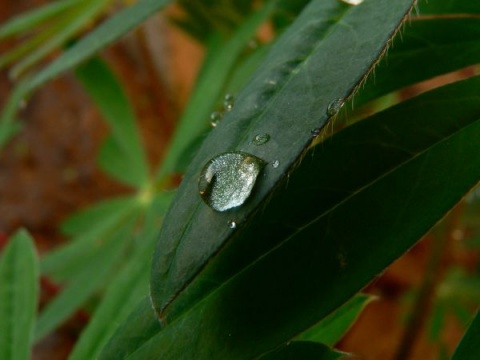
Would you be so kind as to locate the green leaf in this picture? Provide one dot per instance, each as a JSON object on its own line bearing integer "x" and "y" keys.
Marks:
{"x": 73, "y": 20}
{"x": 369, "y": 193}
{"x": 128, "y": 288}
{"x": 332, "y": 328}
{"x": 221, "y": 58}
{"x": 122, "y": 154}
{"x": 303, "y": 350}
{"x": 428, "y": 48}
{"x": 18, "y": 297}
{"x": 85, "y": 282}
{"x": 141, "y": 325}
{"x": 469, "y": 346}
{"x": 64, "y": 262}
{"x": 102, "y": 36}
{"x": 27, "y": 21}
{"x": 287, "y": 98}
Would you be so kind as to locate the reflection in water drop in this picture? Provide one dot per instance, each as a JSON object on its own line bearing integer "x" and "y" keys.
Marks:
{"x": 232, "y": 224}
{"x": 228, "y": 102}
{"x": 335, "y": 106}
{"x": 276, "y": 164}
{"x": 227, "y": 180}
{"x": 352, "y": 2}
{"x": 215, "y": 118}
{"x": 261, "y": 139}
{"x": 315, "y": 132}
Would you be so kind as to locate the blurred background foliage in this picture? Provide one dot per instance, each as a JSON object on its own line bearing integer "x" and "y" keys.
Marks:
{"x": 91, "y": 167}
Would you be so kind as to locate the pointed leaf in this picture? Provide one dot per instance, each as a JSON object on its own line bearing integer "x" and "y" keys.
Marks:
{"x": 18, "y": 297}
{"x": 322, "y": 57}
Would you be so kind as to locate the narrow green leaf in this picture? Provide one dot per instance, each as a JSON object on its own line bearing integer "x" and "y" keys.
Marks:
{"x": 221, "y": 58}
{"x": 332, "y": 328}
{"x": 128, "y": 288}
{"x": 63, "y": 263}
{"x": 84, "y": 283}
{"x": 122, "y": 156}
{"x": 28, "y": 20}
{"x": 75, "y": 19}
{"x": 102, "y": 36}
{"x": 469, "y": 346}
{"x": 369, "y": 193}
{"x": 322, "y": 57}
{"x": 303, "y": 350}
{"x": 139, "y": 327}
{"x": 18, "y": 297}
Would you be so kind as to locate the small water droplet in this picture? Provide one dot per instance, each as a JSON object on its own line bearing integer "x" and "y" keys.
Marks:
{"x": 315, "y": 132}
{"x": 227, "y": 180}
{"x": 232, "y": 224}
{"x": 352, "y": 2}
{"x": 276, "y": 164}
{"x": 335, "y": 106}
{"x": 215, "y": 118}
{"x": 228, "y": 102}
{"x": 261, "y": 139}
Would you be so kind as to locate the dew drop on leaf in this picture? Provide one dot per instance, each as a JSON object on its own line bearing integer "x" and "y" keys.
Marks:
{"x": 352, "y": 2}
{"x": 232, "y": 224}
{"x": 227, "y": 180}
{"x": 228, "y": 102}
{"x": 215, "y": 118}
{"x": 315, "y": 132}
{"x": 276, "y": 164}
{"x": 335, "y": 106}
{"x": 261, "y": 139}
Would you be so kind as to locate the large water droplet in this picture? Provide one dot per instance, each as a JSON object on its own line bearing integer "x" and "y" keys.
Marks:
{"x": 228, "y": 102}
{"x": 261, "y": 139}
{"x": 227, "y": 180}
{"x": 335, "y": 106}
{"x": 215, "y": 118}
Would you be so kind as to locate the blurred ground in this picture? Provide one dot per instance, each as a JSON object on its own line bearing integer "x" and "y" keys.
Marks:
{"x": 49, "y": 170}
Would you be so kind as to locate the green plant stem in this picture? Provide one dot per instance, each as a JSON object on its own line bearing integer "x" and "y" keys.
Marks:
{"x": 426, "y": 294}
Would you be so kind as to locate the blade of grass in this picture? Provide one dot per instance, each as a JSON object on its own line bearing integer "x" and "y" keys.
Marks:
{"x": 469, "y": 346}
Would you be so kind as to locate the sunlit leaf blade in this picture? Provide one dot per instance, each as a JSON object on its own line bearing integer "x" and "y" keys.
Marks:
{"x": 102, "y": 36}
{"x": 469, "y": 346}
{"x": 322, "y": 57}
{"x": 304, "y": 350}
{"x": 388, "y": 183}
{"x": 84, "y": 283}
{"x": 331, "y": 329}
{"x": 141, "y": 325}
{"x": 27, "y": 21}
{"x": 221, "y": 57}
{"x": 18, "y": 297}
{"x": 428, "y": 48}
